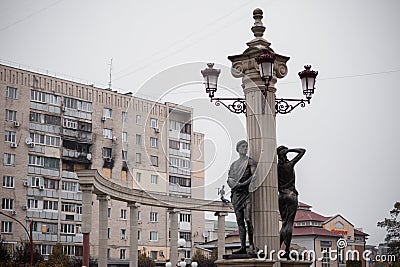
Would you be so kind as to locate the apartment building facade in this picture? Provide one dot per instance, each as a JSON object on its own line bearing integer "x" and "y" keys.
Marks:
{"x": 53, "y": 127}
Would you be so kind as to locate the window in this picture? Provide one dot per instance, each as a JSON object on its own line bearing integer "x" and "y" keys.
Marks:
{"x": 108, "y": 212}
{"x": 107, "y": 133}
{"x": 50, "y": 183}
{"x": 185, "y": 146}
{"x": 153, "y": 142}
{"x": 325, "y": 251}
{"x": 138, "y": 158}
{"x": 154, "y": 179}
{"x": 138, "y": 139}
{"x": 7, "y": 203}
{"x": 6, "y": 227}
{"x": 68, "y": 207}
{"x": 108, "y": 232}
{"x": 48, "y": 140}
{"x": 106, "y": 152}
{"x": 34, "y": 181}
{"x": 122, "y": 253}
{"x": 153, "y": 236}
{"x": 33, "y": 203}
{"x": 51, "y": 228}
{"x": 138, "y": 119}
{"x": 185, "y": 235}
{"x": 11, "y": 92}
{"x": 139, "y": 235}
{"x": 107, "y": 113}
{"x": 153, "y": 123}
{"x": 70, "y": 186}
{"x": 124, "y": 116}
{"x": 139, "y": 215}
{"x": 123, "y": 214}
{"x": 138, "y": 177}
{"x": 8, "y": 181}
{"x": 182, "y": 181}
{"x": 184, "y": 217}
{"x": 153, "y": 254}
{"x": 78, "y": 209}
{"x": 154, "y": 160}
{"x": 50, "y": 205}
{"x": 178, "y": 162}
{"x": 123, "y": 234}
{"x": 9, "y": 136}
{"x": 9, "y": 159}
{"x": 72, "y": 124}
{"x": 108, "y": 253}
{"x": 67, "y": 228}
{"x": 153, "y": 216}
{"x": 38, "y": 96}
{"x": 174, "y": 144}
{"x": 11, "y": 115}
{"x": 124, "y": 155}
{"x": 124, "y": 137}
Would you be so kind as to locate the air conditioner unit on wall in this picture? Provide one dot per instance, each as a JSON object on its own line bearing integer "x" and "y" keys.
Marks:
{"x": 13, "y": 145}
{"x": 157, "y": 130}
{"x": 13, "y": 212}
{"x": 24, "y": 207}
{"x": 103, "y": 118}
{"x": 26, "y": 183}
{"x": 16, "y": 124}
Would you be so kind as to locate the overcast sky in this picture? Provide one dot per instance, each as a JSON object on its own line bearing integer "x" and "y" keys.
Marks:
{"x": 158, "y": 48}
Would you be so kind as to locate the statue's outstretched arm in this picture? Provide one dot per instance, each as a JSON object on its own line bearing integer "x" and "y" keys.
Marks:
{"x": 300, "y": 153}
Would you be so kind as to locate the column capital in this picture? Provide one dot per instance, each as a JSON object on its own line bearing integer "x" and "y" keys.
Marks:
{"x": 221, "y": 213}
{"x": 86, "y": 187}
{"x": 173, "y": 210}
{"x": 134, "y": 204}
{"x": 103, "y": 197}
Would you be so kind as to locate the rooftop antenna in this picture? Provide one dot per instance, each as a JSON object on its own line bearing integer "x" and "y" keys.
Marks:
{"x": 109, "y": 83}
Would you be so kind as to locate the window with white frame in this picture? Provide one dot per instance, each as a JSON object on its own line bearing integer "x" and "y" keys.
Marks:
{"x": 154, "y": 160}
{"x": 326, "y": 262}
{"x": 68, "y": 207}
{"x": 70, "y": 186}
{"x": 50, "y": 205}
{"x": 138, "y": 119}
{"x": 6, "y": 227}
{"x": 138, "y": 177}
{"x": 106, "y": 152}
{"x": 9, "y": 159}
{"x": 38, "y": 96}
{"x": 123, "y": 234}
{"x": 34, "y": 181}
{"x": 185, "y": 146}
{"x": 185, "y": 235}
{"x": 8, "y": 181}
{"x": 11, "y": 115}
{"x": 124, "y": 116}
{"x": 154, "y": 179}
{"x": 107, "y": 113}
{"x": 11, "y": 92}
{"x": 69, "y": 123}
{"x": 51, "y": 228}
{"x": 107, "y": 133}
{"x": 174, "y": 144}
{"x": 138, "y": 139}
{"x": 138, "y": 158}
{"x": 153, "y": 216}
{"x": 78, "y": 209}
{"x": 7, "y": 203}
{"x": 153, "y": 236}
{"x": 67, "y": 228}
{"x": 153, "y": 142}
{"x": 124, "y": 155}
{"x": 122, "y": 254}
{"x": 139, "y": 215}
{"x": 9, "y": 136}
{"x": 33, "y": 203}
{"x": 50, "y": 183}
{"x": 124, "y": 137}
{"x": 123, "y": 214}
{"x": 153, "y": 123}
{"x": 184, "y": 217}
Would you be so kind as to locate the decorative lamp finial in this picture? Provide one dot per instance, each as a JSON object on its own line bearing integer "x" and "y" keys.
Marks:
{"x": 258, "y": 28}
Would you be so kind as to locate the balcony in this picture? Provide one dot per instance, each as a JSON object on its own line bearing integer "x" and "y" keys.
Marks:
{"x": 78, "y": 135}
{"x": 39, "y": 213}
{"x": 37, "y": 236}
{"x": 175, "y": 188}
{"x": 53, "y": 193}
{"x": 74, "y": 154}
{"x": 70, "y": 175}
{"x": 77, "y": 113}
{"x": 55, "y": 129}
{"x": 78, "y": 238}
{"x": 45, "y": 107}
{"x": 43, "y": 171}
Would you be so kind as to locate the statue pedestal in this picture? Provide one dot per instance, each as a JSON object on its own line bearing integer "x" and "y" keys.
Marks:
{"x": 250, "y": 262}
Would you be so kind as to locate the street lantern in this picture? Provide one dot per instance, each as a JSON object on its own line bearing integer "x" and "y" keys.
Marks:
{"x": 210, "y": 76}
{"x": 181, "y": 242}
{"x": 307, "y": 77}
{"x": 265, "y": 63}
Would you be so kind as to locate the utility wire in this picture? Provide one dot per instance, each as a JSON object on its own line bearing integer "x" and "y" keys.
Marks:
{"x": 30, "y": 15}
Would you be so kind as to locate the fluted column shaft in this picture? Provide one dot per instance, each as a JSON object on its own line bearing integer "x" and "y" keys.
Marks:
{"x": 103, "y": 225}
{"x": 133, "y": 234}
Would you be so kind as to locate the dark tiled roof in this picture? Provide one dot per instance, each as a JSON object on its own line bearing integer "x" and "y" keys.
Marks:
{"x": 309, "y": 230}
{"x": 358, "y": 232}
{"x": 307, "y": 215}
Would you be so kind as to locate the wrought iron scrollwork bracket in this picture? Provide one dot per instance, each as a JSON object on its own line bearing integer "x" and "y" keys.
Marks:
{"x": 282, "y": 105}
{"x": 237, "y": 106}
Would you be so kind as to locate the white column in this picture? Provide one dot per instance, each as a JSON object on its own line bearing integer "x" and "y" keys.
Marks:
{"x": 221, "y": 234}
{"x": 173, "y": 228}
{"x": 87, "y": 202}
{"x": 133, "y": 234}
{"x": 103, "y": 225}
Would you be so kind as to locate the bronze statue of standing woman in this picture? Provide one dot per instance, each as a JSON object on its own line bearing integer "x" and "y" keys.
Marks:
{"x": 239, "y": 177}
{"x": 288, "y": 194}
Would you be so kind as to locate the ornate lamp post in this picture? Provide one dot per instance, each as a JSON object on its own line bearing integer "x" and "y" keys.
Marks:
{"x": 260, "y": 68}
